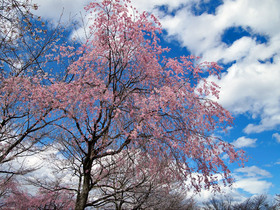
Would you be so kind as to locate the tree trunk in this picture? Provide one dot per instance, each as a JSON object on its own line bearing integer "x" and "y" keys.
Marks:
{"x": 82, "y": 197}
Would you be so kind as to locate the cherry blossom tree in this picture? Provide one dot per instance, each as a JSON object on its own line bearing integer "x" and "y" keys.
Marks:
{"x": 43, "y": 199}
{"x": 125, "y": 94}
{"x": 118, "y": 92}
{"x": 7, "y": 185}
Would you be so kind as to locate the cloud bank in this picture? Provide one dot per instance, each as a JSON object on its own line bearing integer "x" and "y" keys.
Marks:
{"x": 244, "y": 142}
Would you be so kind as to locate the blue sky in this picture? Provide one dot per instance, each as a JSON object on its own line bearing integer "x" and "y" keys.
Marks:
{"x": 243, "y": 36}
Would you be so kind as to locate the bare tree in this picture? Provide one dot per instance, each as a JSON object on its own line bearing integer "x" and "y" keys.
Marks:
{"x": 254, "y": 203}
{"x": 258, "y": 202}
{"x": 224, "y": 203}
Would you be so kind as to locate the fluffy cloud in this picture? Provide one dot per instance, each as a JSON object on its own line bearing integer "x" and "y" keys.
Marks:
{"x": 206, "y": 195}
{"x": 254, "y": 88}
{"x": 276, "y": 136}
{"x": 248, "y": 179}
{"x": 253, "y": 171}
{"x": 253, "y": 185}
{"x": 251, "y": 180}
{"x": 203, "y": 34}
{"x": 244, "y": 142}
{"x": 54, "y": 9}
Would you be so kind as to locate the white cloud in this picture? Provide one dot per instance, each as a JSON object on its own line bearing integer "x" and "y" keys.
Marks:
{"x": 247, "y": 179}
{"x": 244, "y": 142}
{"x": 53, "y": 9}
{"x": 234, "y": 194}
{"x": 276, "y": 136}
{"x": 254, "y": 88}
{"x": 253, "y": 171}
{"x": 50, "y": 167}
{"x": 251, "y": 179}
{"x": 253, "y": 185}
{"x": 202, "y": 34}
{"x": 205, "y": 195}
